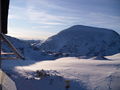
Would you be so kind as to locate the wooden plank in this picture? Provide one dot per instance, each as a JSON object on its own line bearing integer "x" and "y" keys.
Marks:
{"x": 0, "y": 18}
{"x": 0, "y": 36}
{"x": 4, "y": 15}
{"x": 8, "y": 58}
{"x": 4, "y": 53}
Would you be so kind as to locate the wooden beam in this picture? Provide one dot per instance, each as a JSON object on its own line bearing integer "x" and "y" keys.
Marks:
{"x": 11, "y": 46}
{"x": 9, "y": 58}
{"x": 0, "y": 37}
{"x": 8, "y": 53}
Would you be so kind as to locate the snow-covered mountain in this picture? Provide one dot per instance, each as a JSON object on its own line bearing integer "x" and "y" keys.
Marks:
{"x": 82, "y": 40}
{"x": 34, "y": 43}
{"x": 28, "y": 48}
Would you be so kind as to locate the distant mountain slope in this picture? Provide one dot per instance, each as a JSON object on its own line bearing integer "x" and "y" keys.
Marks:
{"x": 82, "y": 40}
{"x": 27, "y": 48}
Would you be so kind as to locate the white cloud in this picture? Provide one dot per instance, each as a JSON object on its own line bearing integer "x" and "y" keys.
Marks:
{"x": 51, "y": 4}
{"x": 105, "y": 20}
{"x": 42, "y": 17}
{"x": 32, "y": 15}
{"x": 101, "y": 16}
{"x": 16, "y": 12}
{"x": 11, "y": 16}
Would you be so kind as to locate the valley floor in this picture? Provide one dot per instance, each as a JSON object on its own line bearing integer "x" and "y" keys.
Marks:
{"x": 80, "y": 74}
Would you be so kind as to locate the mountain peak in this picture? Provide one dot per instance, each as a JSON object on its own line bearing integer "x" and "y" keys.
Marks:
{"x": 83, "y": 40}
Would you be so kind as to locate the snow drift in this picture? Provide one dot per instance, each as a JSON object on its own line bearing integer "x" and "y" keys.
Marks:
{"x": 82, "y": 40}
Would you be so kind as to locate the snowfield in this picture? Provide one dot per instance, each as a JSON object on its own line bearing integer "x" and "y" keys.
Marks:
{"x": 83, "y": 74}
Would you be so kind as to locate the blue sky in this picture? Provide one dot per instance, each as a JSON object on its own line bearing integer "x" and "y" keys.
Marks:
{"x": 39, "y": 19}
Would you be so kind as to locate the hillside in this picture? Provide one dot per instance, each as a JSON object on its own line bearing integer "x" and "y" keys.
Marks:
{"x": 28, "y": 48}
{"x": 81, "y": 40}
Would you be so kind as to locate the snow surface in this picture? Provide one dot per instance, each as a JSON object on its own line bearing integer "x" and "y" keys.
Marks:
{"x": 84, "y": 74}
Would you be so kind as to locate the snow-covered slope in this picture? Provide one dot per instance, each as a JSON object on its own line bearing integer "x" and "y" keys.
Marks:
{"x": 27, "y": 48}
{"x": 34, "y": 43}
{"x": 83, "y": 74}
{"x": 84, "y": 41}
